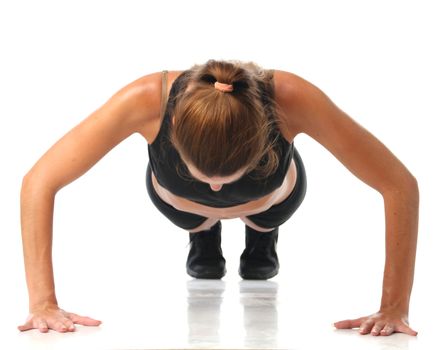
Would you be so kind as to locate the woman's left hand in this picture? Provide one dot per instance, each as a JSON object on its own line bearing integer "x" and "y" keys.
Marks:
{"x": 380, "y": 323}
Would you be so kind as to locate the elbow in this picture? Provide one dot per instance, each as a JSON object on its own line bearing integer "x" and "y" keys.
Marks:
{"x": 412, "y": 191}
{"x": 414, "y": 187}
{"x": 26, "y": 182}
{"x": 406, "y": 187}
{"x": 414, "y": 183}
{"x": 34, "y": 182}
{"x": 411, "y": 184}
{"x": 29, "y": 180}
{"x": 28, "y": 185}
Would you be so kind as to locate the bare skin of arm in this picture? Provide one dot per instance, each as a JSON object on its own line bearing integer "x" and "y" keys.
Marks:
{"x": 311, "y": 112}
{"x": 130, "y": 110}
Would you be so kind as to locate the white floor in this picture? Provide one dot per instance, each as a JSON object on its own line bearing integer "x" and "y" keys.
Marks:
{"x": 215, "y": 314}
{"x": 154, "y": 305}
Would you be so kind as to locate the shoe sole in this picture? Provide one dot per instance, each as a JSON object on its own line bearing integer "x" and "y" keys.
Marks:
{"x": 258, "y": 276}
{"x": 206, "y": 275}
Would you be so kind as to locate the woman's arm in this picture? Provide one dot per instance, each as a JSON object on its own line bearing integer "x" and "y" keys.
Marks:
{"x": 311, "y": 112}
{"x": 130, "y": 110}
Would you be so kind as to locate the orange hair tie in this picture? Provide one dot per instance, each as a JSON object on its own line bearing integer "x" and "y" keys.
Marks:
{"x": 223, "y": 87}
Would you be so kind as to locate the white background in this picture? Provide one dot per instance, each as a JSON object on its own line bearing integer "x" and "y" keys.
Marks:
{"x": 61, "y": 60}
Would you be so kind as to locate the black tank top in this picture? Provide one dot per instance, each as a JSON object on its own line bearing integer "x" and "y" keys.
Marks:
{"x": 164, "y": 161}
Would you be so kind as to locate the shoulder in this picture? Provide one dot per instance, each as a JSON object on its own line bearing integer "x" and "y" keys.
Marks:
{"x": 299, "y": 102}
{"x": 310, "y": 111}
{"x": 141, "y": 101}
{"x": 286, "y": 84}
{"x": 290, "y": 91}
{"x": 142, "y": 97}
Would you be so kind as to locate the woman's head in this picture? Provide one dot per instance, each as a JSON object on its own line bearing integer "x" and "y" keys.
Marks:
{"x": 222, "y": 131}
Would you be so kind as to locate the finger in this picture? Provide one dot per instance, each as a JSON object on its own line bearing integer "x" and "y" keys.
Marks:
{"x": 366, "y": 327}
{"x": 57, "y": 325}
{"x": 387, "y": 330}
{"x": 83, "y": 320}
{"x": 42, "y": 326}
{"x": 348, "y": 324}
{"x": 25, "y": 327}
{"x": 405, "y": 329}
{"x": 376, "y": 330}
{"x": 69, "y": 324}
{"x": 61, "y": 327}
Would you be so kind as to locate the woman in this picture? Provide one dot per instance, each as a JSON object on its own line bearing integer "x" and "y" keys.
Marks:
{"x": 221, "y": 146}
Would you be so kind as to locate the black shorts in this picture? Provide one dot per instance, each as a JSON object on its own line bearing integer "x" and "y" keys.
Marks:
{"x": 271, "y": 218}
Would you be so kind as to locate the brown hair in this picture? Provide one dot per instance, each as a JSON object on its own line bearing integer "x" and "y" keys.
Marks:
{"x": 221, "y": 133}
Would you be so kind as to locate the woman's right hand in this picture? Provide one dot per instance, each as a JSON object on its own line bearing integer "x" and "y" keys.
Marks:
{"x": 52, "y": 317}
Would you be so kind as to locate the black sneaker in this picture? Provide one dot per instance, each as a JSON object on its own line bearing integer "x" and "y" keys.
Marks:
{"x": 259, "y": 260}
{"x": 205, "y": 259}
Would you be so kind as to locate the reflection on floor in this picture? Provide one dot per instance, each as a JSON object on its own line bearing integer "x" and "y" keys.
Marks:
{"x": 219, "y": 314}
{"x": 260, "y": 317}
